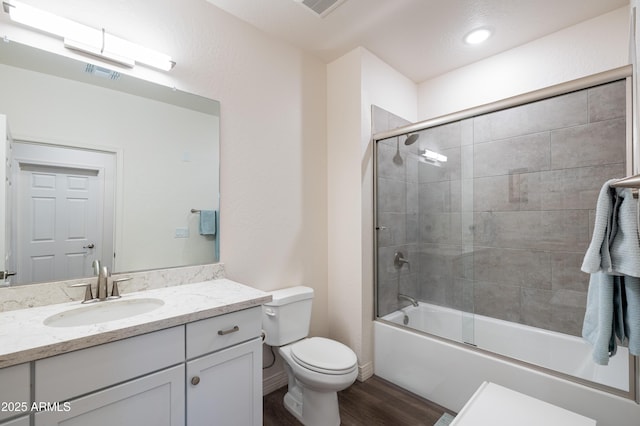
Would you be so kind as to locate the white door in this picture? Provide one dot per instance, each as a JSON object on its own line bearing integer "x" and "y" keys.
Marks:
{"x": 63, "y": 215}
{"x": 59, "y": 232}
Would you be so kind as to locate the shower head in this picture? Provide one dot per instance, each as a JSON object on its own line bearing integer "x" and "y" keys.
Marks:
{"x": 411, "y": 139}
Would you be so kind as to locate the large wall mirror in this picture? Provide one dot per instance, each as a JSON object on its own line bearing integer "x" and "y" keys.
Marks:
{"x": 101, "y": 165}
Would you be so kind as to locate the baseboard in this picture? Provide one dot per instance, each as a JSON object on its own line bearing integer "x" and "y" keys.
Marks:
{"x": 365, "y": 371}
{"x": 275, "y": 382}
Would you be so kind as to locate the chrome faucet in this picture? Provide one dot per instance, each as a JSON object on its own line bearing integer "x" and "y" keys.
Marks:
{"x": 413, "y": 301}
{"x": 102, "y": 287}
{"x": 102, "y": 290}
{"x": 399, "y": 260}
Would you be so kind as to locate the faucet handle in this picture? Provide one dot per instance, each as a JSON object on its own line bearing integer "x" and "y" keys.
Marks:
{"x": 88, "y": 294}
{"x": 115, "y": 292}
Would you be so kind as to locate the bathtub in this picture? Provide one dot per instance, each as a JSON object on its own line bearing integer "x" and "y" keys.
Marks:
{"x": 536, "y": 362}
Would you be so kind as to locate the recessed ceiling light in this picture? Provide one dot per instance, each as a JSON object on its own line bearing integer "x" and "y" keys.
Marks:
{"x": 477, "y": 36}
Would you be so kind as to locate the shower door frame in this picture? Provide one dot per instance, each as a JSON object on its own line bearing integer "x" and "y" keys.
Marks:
{"x": 632, "y": 168}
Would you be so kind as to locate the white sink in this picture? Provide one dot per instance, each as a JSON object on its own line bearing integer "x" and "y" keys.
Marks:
{"x": 98, "y": 312}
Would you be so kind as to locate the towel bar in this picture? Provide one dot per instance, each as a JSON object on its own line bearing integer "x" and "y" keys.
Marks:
{"x": 632, "y": 182}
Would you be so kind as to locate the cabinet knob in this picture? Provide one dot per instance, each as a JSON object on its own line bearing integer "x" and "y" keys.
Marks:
{"x": 195, "y": 380}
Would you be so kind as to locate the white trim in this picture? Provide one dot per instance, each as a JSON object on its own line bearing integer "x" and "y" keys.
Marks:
{"x": 274, "y": 382}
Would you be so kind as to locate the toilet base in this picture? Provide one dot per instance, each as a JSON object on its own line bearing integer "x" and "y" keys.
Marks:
{"x": 313, "y": 408}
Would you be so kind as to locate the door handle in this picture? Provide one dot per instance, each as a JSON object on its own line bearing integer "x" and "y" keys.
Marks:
{"x": 6, "y": 274}
{"x": 89, "y": 246}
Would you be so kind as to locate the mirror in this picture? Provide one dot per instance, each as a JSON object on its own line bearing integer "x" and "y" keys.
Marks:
{"x": 159, "y": 169}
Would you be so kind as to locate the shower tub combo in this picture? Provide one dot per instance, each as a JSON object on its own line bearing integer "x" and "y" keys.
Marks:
{"x": 482, "y": 219}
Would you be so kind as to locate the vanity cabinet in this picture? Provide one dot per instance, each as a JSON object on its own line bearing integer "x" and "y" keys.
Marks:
{"x": 72, "y": 379}
{"x": 15, "y": 393}
{"x": 207, "y": 372}
{"x": 224, "y": 377}
{"x": 153, "y": 400}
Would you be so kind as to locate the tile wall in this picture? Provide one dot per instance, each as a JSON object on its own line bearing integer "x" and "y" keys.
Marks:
{"x": 501, "y": 227}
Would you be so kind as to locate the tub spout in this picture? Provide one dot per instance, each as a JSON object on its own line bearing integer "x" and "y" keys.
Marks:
{"x": 413, "y": 301}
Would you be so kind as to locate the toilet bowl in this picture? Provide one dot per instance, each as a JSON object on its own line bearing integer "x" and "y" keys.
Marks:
{"x": 317, "y": 368}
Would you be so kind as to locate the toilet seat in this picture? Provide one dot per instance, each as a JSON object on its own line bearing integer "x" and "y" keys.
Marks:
{"x": 324, "y": 356}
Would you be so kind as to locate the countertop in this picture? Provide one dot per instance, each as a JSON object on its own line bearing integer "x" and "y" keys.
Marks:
{"x": 24, "y": 337}
{"x": 495, "y": 405}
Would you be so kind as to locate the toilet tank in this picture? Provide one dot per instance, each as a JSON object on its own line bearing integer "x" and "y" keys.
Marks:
{"x": 286, "y": 318}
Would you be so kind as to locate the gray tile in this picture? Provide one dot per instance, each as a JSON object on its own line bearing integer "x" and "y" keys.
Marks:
{"x": 607, "y": 101}
{"x": 576, "y": 188}
{"x": 392, "y": 196}
{"x": 593, "y": 144}
{"x": 515, "y": 267}
{"x": 554, "y": 113}
{"x": 537, "y": 309}
{"x": 547, "y": 230}
{"x": 393, "y": 229}
{"x": 524, "y": 154}
{"x": 441, "y": 137}
{"x": 440, "y": 197}
{"x": 496, "y": 193}
{"x": 566, "y": 273}
{"x": 441, "y": 228}
{"x": 497, "y": 301}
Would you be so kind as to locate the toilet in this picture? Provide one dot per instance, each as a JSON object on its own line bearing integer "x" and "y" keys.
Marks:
{"x": 317, "y": 367}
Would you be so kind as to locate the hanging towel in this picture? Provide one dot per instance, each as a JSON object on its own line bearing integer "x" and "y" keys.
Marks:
{"x": 207, "y": 222}
{"x": 613, "y": 260}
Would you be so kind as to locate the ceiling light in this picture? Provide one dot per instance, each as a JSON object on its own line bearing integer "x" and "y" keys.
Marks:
{"x": 96, "y": 42}
{"x": 477, "y": 36}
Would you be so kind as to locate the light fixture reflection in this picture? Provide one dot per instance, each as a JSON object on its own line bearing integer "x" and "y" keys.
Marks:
{"x": 434, "y": 156}
{"x": 96, "y": 42}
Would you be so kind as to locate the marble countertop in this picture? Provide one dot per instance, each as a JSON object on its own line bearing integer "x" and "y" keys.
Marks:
{"x": 24, "y": 337}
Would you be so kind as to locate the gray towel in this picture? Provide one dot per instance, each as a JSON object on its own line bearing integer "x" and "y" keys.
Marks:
{"x": 613, "y": 259}
{"x": 614, "y": 246}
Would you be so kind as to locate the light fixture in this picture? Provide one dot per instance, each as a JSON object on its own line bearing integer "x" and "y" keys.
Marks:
{"x": 477, "y": 36}
{"x": 96, "y": 42}
{"x": 434, "y": 156}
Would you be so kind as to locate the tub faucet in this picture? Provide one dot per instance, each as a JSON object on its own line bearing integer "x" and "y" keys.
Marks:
{"x": 413, "y": 301}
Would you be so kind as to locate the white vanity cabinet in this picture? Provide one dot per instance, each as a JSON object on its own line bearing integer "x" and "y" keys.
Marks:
{"x": 132, "y": 382}
{"x": 207, "y": 372}
{"x": 224, "y": 377}
{"x": 15, "y": 395}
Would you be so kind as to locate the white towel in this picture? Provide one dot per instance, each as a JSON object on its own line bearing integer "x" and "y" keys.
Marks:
{"x": 613, "y": 259}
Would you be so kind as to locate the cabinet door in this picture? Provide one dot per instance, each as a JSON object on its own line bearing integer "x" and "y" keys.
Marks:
{"x": 153, "y": 400}
{"x": 225, "y": 388}
{"x": 15, "y": 391}
{"x": 22, "y": 421}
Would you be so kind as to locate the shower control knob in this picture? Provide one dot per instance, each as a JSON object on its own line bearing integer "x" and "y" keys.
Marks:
{"x": 195, "y": 380}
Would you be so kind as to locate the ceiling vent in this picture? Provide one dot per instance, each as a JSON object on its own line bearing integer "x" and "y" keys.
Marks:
{"x": 322, "y": 7}
{"x": 102, "y": 72}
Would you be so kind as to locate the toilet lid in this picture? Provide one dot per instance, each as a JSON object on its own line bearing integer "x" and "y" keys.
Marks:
{"x": 324, "y": 356}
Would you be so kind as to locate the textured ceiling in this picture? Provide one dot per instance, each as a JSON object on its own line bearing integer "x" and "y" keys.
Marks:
{"x": 419, "y": 38}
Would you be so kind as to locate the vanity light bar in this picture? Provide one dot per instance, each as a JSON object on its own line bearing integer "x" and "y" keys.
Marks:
{"x": 96, "y": 42}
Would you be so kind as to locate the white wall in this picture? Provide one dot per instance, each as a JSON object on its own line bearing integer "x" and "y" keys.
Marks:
{"x": 273, "y": 133}
{"x": 355, "y": 82}
{"x": 596, "y": 45}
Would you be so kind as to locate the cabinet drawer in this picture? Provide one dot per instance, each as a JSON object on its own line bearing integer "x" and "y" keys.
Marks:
{"x": 65, "y": 376}
{"x": 14, "y": 389}
{"x": 219, "y": 332}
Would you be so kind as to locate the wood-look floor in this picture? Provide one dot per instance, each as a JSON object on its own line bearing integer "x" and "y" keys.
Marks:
{"x": 375, "y": 402}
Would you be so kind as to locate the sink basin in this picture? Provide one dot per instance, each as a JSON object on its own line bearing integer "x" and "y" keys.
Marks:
{"x": 99, "y": 312}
